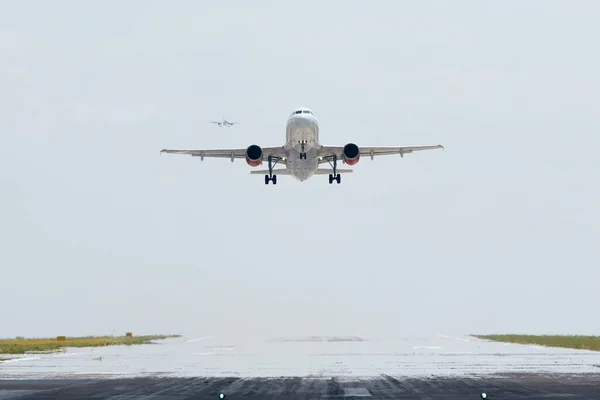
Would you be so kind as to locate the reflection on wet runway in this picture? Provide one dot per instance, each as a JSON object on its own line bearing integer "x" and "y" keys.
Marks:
{"x": 210, "y": 356}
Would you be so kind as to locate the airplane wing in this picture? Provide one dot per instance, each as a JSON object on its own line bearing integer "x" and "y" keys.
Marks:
{"x": 214, "y": 122}
{"x": 232, "y": 154}
{"x": 328, "y": 151}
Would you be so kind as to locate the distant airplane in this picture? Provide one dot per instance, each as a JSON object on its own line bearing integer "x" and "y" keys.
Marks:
{"x": 302, "y": 153}
{"x": 224, "y": 123}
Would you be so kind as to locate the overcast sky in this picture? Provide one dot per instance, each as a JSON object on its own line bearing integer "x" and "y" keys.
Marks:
{"x": 500, "y": 232}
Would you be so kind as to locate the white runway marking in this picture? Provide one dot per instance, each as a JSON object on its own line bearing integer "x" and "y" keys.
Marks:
{"x": 462, "y": 339}
{"x": 20, "y": 359}
{"x": 198, "y": 339}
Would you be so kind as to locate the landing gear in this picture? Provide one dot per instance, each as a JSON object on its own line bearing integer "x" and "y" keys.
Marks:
{"x": 273, "y": 179}
{"x": 302, "y": 153}
{"x": 335, "y": 176}
{"x": 270, "y": 176}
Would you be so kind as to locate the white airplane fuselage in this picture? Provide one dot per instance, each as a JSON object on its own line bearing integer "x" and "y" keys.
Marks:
{"x": 302, "y": 137}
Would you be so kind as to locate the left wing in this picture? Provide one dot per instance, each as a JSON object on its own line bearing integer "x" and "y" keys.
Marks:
{"x": 232, "y": 154}
{"x": 326, "y": 152}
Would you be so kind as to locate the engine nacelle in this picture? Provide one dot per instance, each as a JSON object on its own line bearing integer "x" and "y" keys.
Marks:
{"x": 254, "y": 155}
{"x": 351, "y": 154}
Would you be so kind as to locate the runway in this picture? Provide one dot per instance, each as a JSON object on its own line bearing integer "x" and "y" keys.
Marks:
{"x": 510, "y": 387}
{"x": 420, "y": 367}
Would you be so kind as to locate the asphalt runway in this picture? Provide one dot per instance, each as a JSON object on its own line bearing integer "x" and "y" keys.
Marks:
{"x": 424, "y": 367}
{"x": 513, "y": 386}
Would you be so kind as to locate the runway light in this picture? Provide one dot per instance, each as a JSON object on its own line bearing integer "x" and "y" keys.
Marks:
{"x": 484, "y": 395}
{"x": 221, "y": 395}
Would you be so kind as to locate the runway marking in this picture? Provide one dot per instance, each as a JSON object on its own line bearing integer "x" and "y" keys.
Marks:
{"x": 227, "y": 348}
{"x": 22, "y": 359}
{"x": 453, "y": 338}
{"x": 198, "y": 339}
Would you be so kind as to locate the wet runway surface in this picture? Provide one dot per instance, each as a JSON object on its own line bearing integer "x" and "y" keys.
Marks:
{"x": 525, "y": 386}
{"x": 425, "y": 367}
{"x": 313, "y": 356}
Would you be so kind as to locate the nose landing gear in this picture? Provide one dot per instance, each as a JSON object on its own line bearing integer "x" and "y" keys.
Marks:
{"x": 302, "y": 153}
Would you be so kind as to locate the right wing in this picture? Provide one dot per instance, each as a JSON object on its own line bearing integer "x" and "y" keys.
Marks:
{"x": 232, "y": 154}
{"x": 328, "y": 151}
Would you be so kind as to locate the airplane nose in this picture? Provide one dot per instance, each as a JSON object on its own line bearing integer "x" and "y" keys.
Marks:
{"x": 302, "y": 121}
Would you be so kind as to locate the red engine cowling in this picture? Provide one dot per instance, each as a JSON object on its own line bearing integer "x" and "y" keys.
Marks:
{"x": 351, "y": 154}
{"x": 254, "y": 155}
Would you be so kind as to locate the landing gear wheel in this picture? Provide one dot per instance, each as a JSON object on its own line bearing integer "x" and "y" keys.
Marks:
{"x": 270, "y": 176}
{"x": 335, "y": 176}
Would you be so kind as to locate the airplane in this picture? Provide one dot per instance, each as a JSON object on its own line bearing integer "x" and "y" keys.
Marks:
{"x": 302, "y": 153}
{"x": 224, "y": 123}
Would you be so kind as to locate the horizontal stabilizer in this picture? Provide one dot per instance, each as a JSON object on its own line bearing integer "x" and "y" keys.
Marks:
{"x": 320, "y": 171}
{"x": 326, "y": 171}
{"x": 275, "y": 172}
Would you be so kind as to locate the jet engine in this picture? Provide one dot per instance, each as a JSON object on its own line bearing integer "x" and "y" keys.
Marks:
{"x": 351, "y": 154}
{"x": 254, "y": 155}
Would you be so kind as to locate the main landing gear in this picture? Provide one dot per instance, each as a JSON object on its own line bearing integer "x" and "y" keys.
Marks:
{"x": 270, "y": 176}
{"x": 273, "y": 178}
{"x": 335, "y": 176}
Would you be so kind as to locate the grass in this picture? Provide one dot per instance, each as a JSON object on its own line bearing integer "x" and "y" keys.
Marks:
{"x": 565, "y": 341}
{"x": 40, "y": 345}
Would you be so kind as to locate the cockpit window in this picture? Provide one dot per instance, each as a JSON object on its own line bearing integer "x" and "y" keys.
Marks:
{"x": 303, "y": 112}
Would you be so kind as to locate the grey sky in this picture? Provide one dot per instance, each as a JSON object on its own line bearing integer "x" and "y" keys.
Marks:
{"x": 497, "y": 233}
